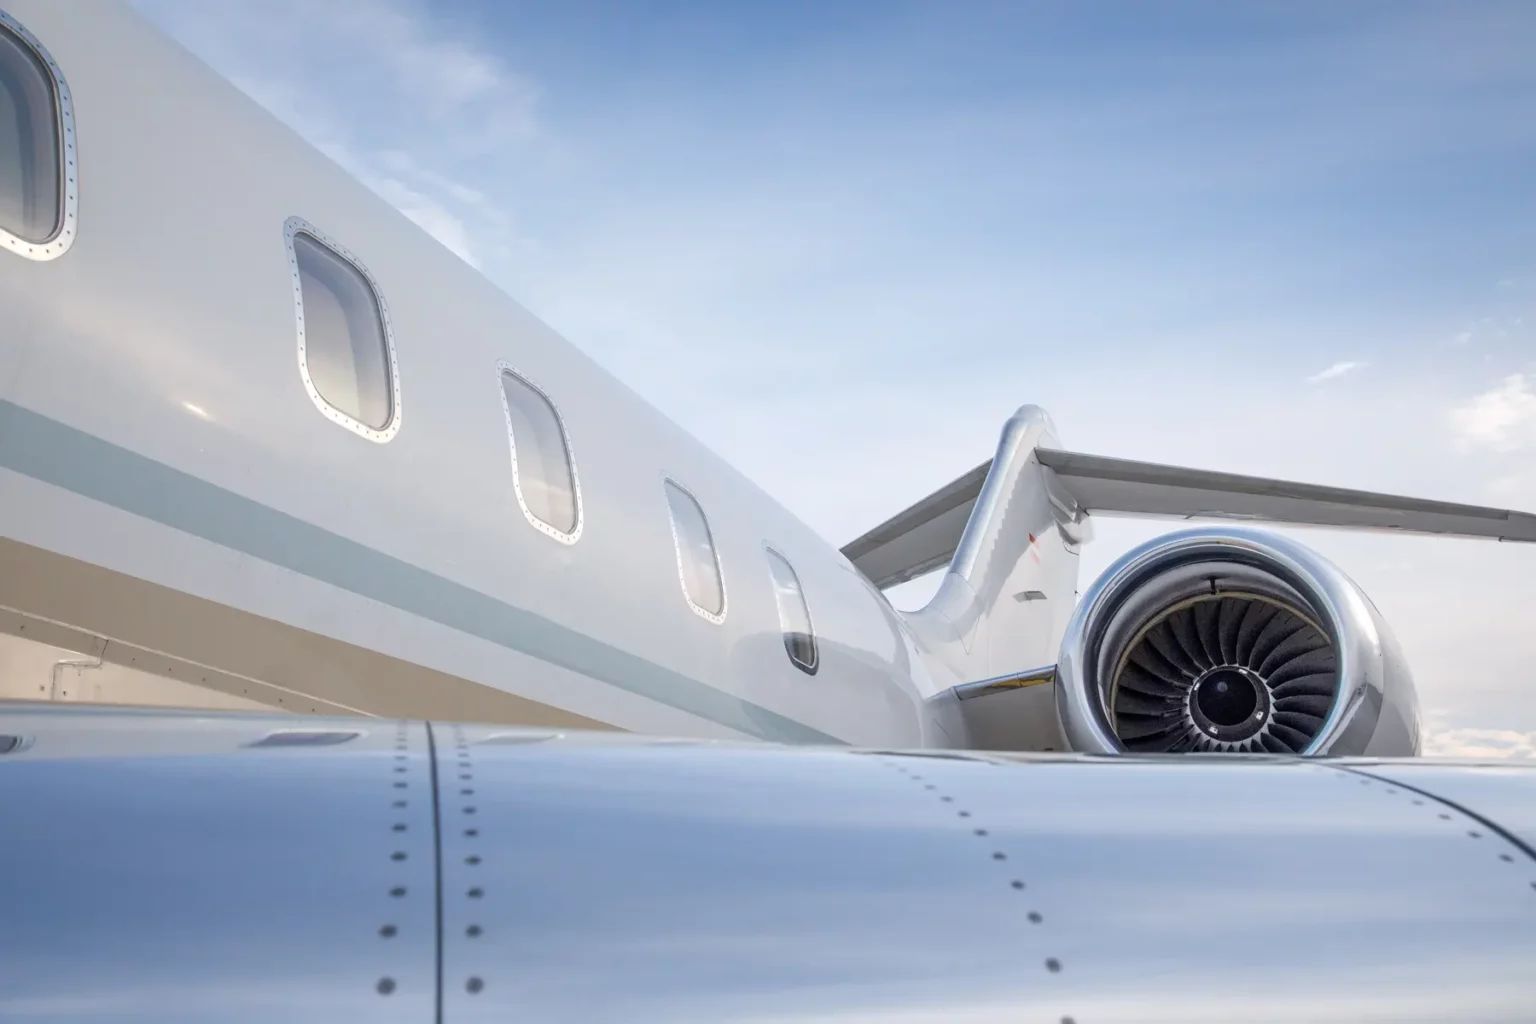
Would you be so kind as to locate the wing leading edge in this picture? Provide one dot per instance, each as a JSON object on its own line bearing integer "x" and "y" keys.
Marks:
{"x": 925, "y": 535}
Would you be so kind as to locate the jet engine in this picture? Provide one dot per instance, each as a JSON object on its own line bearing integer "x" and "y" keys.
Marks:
{"x": 1232, "y": 641}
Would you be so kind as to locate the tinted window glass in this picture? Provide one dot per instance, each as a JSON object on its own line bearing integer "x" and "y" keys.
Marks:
{"x": 794, "y": 615}
{"x": 541, "y": 457}
{"x": 345, "y": 351}
{"x": 696, "y": 558}
{"x": 31, "y": 193}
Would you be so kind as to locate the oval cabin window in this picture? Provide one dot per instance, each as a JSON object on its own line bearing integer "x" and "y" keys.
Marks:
{"x": 794, "y": 614}
{"x": 697, "y": 561}
{"x": 346, "y": 352}
{"x": 543, "y": 472}
{"x": 37, "y": 152}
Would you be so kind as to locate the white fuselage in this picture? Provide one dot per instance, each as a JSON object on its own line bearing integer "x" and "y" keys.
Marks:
{"x": 169, "y": 488}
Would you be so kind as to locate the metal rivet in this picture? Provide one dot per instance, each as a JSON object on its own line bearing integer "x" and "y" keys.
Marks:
{"x": 471, "y": 832}
{"x": 472, "y": 931}
{"x": 399, "y": 826}
{"x": 1034, "y": 917}
{"x": 999, "y": 856}
{"x": 469, "y": 810}
{"x": 1475, "y": 835}
{"x": 965, "y": 814}
{"x": 475, "y": 894}
{"x": 399, "y": 803}
{"x": 471, "y": 859}
{"x": 386, "y": 986}
{"x": 466, "y": 792}
{"x": 1506, "y": 858}
{"x": 397, "y": 855}
{"x": 399, "y": 785}
{"x": 388, "y": 931}
{"x": 1017, "y": 884}
{"x": 398, "y": 891}
{"x": 981, "y": 831}
{"x": 1053, "y": 965}
{"x": 474, "y": 985}
{"x": 929, "y": 786}
{"x": 947, "y": 799}
{"x": 1445, "y": 817}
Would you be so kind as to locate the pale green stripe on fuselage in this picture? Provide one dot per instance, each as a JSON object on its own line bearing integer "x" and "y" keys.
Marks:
{"x": 57, "y": 454}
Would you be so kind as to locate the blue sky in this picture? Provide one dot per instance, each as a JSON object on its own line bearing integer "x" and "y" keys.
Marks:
{"x": 841, "y": 242}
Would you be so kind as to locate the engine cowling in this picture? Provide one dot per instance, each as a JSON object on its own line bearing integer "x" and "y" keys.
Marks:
{"x": 1222, "y": 640}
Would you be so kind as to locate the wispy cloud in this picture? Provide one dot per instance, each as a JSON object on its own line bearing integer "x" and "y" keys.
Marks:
{"x": 392, "y": 59}
{"x": 429, "y": 213}
{"x": 1502, "y": 418}
{"x": 1485, "y": 743}
{"x": 386, "y": 89}
{"x": 1336, "y": 370}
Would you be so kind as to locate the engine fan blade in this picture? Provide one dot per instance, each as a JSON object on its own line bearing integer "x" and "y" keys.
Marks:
{"x": 1255, "y": 620}
{"x": 1165, "y": 643}
{"x": 1320, "y": 661}
{"x": 1147, "y": 658}
{"x": 1207, "y": 631}
{"x": 1133, "y": 678}
{"x": 1304, "y": 641}
{"x": 1279, "y": 629}
{"x": 1182, "y": 625}
{"x": 1305, "y": 703}
{"x": 1229, "y": 620}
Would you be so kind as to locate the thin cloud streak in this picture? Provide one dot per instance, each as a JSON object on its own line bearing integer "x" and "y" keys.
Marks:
{"x": 1335, "y": 371}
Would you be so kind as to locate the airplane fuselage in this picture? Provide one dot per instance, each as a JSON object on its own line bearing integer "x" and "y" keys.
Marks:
{"x": 170, "y": 484}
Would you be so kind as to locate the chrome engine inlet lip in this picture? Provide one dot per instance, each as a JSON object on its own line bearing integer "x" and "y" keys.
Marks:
{"x": 1331, "y": 599}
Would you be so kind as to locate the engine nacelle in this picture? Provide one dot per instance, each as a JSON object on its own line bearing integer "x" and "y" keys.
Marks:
{"x": 1227, "y": 640}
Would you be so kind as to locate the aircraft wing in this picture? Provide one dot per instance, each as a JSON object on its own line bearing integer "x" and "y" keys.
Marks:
{"x": 187, "y": 867}
{"x": 925, "y": 535}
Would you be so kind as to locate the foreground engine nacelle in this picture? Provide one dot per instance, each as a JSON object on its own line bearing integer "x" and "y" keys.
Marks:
{"x": 1224, "y": 640}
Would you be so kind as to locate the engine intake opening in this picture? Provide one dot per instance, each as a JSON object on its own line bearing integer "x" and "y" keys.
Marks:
{"x": 1224, "y": 671}
{"x": 1229, "y": 640}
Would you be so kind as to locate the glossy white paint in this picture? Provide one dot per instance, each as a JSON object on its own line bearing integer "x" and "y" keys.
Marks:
{"x": 1007, "y": 595}
{"x": 162, "y": 352}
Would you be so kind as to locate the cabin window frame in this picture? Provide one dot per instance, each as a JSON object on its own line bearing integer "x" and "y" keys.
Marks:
{"x": 505, "y": 368}
{"x": 771, "y": 552}
{"x": 380, "y": 435}
{"x": 677, "y": 547}
{"x": 63, "y": 237}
